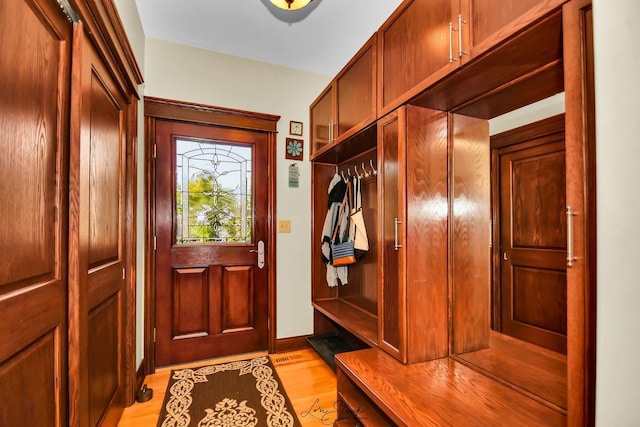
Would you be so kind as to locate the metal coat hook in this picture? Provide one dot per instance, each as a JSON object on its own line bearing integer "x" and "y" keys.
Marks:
{"x": 373, "y": 170}
{"x": 366, "y": 173}
{"x": 357, "y": 174}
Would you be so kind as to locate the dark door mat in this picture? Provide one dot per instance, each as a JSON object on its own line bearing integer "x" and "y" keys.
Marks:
{"x": 329, "y": 345}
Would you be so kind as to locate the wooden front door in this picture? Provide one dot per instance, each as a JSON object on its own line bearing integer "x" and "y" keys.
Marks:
{"x": 211, "y": 231}
{"x": 35, "y": 73}
{"x": 532, "y": 223}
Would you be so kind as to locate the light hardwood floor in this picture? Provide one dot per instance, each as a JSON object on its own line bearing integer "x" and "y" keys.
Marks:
{"x": 307, "y": 379}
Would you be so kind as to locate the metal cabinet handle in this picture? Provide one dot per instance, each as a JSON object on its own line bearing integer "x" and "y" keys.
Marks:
{"x": 396, "y": 246}
{"x": 331, "y": 137}
{"x": 570, "y": 257}
{"x": 451, "y": 30}
{"x": 460, "y": 22}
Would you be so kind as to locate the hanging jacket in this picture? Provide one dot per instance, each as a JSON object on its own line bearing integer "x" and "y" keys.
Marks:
{"x": 337, "y": 188}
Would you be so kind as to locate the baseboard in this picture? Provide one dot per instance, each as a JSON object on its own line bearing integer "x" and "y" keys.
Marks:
{"x": 291, "y": 344}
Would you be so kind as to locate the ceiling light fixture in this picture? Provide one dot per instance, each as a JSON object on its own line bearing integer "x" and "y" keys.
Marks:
{"x": 290, "y": 4}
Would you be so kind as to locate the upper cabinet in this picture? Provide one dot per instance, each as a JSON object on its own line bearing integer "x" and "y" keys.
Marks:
{"x": 425, "y": 40}
{"x": 348, "y": 104}
{"x": 322, "y": 120}
{"x": 417, "y": 47}
{"x": 483, "y": 24}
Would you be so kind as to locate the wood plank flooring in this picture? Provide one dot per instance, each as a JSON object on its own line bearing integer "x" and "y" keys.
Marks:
{"x": 308, "y": 381}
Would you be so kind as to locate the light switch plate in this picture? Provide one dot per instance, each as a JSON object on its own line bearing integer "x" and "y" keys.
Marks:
{"x": 284, "y": 226}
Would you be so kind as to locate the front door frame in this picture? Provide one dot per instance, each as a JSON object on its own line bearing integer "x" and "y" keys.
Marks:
{"x": 164, "y": 109}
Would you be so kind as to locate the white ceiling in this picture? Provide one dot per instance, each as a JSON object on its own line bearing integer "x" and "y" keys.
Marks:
{"x": 320, "y": 38}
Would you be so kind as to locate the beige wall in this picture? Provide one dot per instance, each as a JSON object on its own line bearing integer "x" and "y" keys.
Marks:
{"x": 184, "y": 73}
{"x": 131, "y": 21}
{"x": 617, "y": 64}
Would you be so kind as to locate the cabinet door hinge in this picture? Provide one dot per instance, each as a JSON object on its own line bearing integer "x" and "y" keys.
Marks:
{"x": 155, "y": 151}
{"x": 154, "y": 334}
{"x": 155, "y": 243}
{"x": 123, "y": 273}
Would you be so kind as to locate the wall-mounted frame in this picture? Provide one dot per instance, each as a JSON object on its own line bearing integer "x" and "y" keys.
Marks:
{"x": 294, "y": 149}
{"x": 295, "y": 128}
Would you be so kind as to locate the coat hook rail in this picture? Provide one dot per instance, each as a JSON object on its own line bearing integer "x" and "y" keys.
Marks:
{"x": 363, "y": 172}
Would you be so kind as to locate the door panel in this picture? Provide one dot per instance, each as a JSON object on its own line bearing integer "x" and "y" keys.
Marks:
{"x": 533, "y": 242}
{"x": 97, "y": 193}
{"x": 103, "y": 358}
{"x": 469, "y": 224}
{"x": 35, "y": 41}
{"x": 527, "y": 288}
{"x": 190, "y": 302}
{"x": 392, "y": 162}
{"x": 211, "y": 211}
{"x": 237, "y": 297}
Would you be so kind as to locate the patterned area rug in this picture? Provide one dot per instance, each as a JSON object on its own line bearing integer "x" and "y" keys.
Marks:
{"x": 242, "y": 393}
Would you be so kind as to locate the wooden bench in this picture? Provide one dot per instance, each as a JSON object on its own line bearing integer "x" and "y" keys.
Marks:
{"x": 377, "y": 390}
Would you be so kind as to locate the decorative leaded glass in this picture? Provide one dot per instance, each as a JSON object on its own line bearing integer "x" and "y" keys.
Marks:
{"x": 214, "y": 201}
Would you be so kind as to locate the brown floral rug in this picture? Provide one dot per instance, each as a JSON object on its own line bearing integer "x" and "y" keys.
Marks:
{"x": 242, "y": 393}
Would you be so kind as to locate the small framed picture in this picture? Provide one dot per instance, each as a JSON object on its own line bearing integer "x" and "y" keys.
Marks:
{"x": 295, "y": 128}
{"x": 294, "y": 149}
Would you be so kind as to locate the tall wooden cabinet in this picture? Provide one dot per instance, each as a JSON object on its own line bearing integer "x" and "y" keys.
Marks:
{"x": 412, "y": 209}
{"x": 433, "y": 217}
{"x": 67, "y": 279}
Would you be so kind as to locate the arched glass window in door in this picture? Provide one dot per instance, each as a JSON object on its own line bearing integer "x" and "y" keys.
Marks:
{"x": 213, "y": 193}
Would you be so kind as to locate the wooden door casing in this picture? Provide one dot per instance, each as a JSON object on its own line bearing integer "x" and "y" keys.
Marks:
{"x": 97, "y": 239}
{"x": 35, "y": 71}
{"x": 211, "y": 299}
{"x": 531, "y": 283}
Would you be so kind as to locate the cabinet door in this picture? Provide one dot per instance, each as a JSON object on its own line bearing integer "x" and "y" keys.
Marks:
{"x": 426, "y": 244}
{"x": 416, "y": 44}
{"x": 485, "y": 23}
{"x": 413, "y": 164}
{"x": 34, "y": 111}
{"x": 391, "y": 300}
{"x": 322, "y": 120}
{"x": 470, "y": 256}
{"x": 356, "y": 92}
{"x": 97, "y": 240}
